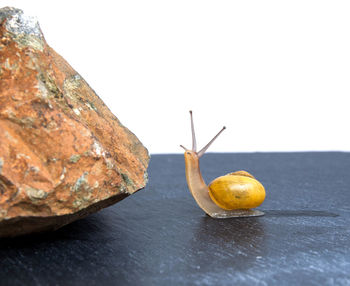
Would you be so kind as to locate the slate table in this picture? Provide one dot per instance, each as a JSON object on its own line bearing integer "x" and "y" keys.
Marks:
{"x": 160, "y": 237}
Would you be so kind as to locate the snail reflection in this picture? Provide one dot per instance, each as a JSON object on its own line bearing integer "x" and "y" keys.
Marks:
{"x": 232, "y": 195}
{"x": 228, "y": 245}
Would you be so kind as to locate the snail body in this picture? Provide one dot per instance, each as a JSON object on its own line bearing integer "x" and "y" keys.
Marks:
{"x": 231, "y": 195}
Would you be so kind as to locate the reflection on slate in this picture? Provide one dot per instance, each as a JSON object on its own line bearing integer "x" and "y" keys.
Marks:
{"x": 159, "y": 236}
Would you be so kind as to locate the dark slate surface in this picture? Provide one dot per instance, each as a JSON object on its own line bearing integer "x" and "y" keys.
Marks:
{"x": 160, "y": 237}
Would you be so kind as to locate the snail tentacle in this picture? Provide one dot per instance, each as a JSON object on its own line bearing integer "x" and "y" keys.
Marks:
{"x": 202, "y": 151}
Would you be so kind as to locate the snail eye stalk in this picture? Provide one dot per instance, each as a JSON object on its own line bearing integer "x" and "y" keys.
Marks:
{"x": 202, "y": 151}
{"x": 194, "y": 142}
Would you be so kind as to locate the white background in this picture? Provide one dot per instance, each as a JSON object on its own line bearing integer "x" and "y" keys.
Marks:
{"x": 276, "y": 73}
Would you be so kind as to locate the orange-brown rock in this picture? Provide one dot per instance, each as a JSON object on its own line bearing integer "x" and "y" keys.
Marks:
{"x": 63, "y": 154}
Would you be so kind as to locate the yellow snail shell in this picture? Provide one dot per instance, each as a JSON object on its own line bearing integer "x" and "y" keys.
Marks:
{"x": 238, "y": 190}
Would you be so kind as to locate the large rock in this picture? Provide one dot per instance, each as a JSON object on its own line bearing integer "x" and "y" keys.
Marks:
{"x": 63, "y": 154}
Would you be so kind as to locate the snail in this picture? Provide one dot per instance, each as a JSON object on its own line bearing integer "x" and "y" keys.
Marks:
{"x": 232, "y": 195}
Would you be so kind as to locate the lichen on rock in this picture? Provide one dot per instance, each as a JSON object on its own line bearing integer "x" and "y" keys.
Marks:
{"x": 63, "y": 154}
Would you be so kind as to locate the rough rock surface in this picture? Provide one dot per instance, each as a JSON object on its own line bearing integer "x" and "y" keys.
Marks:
{"x": 63, "y": 154}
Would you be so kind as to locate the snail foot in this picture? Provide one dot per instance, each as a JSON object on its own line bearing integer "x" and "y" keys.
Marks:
{"x": 236, "y": 213}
